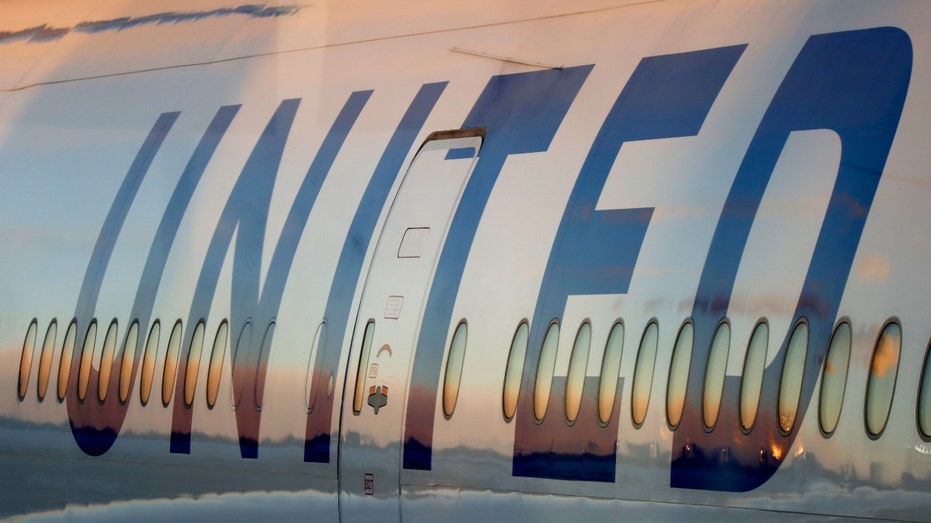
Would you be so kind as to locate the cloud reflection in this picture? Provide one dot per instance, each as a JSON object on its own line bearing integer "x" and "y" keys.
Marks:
{"x": 45, "y": 33}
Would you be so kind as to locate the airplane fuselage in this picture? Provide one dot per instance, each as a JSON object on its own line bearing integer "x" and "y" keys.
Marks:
{"x": 639, "y": 260}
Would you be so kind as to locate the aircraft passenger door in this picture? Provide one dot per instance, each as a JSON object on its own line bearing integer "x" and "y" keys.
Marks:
{"x": 388, "y": 323}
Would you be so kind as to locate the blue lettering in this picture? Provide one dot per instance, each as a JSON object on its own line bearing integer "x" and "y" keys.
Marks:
{"x": 95, "y": 433}
{"x": 521, "y": 113}
{"x": 853, "y": 83}
{"x": 349, "y": 267}
{"x": 250, "y": 202}
{"x": 246, "y": 214}
{"x": 595, "y": 252}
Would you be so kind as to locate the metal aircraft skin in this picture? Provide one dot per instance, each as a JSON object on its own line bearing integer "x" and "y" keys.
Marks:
{"x": 346, "y": 261}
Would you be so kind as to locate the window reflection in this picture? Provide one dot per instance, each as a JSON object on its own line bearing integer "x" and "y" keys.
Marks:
{"x": 834, "y": 378}
{"x": 45, "y": 359}
{"x": 453, "y": 375}
{"x": 578, "y": 362}
{"x": 318, "y": 341}
{"x": 924, "y": 398}
{"x": 215, "y": 370}
{"x": 643, "y": 374}
{"x": 265, "y": 349}
{"x": 545, "y": 369}
{"x": 610, "y": 370}
{"x": 106, "y": 361}
{"x": 881, "y": 385}
{"x": 64, "y": 366}
{"x": 515, "y": 369}
{"x": 171, "y": 363}
{"x": 752, "y": 380}
{"x": 793, "y": 370}
{"x": 679, "y": 374}
{"x": 237, "y": 368}
{"x": 714, "y": 375}
{"x": 148, "y": 362}
{"x": 25, "y": 362}
{"x": 193, "y": 364}
{"x": 87, "y": 355}
{"x": 127, "y": 360}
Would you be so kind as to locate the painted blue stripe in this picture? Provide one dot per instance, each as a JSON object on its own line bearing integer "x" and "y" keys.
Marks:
{"x": 113, "y": 224}
{"x": 281, "y": 262}
{"x": 521, "y": 113}
{"x": 855, "y": 84}
{"x": 88, "y": 433}
{"x": 246, "y": 214}
{"x": 595, "y": 251}
{"x": 462, "y": 153}
{"x": 293, "y": 230}
{"x": 164, "y": 238}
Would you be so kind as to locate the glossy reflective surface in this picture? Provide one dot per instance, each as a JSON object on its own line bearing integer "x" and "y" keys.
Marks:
{"x": 453, "y": 375}
{"x": 45, "y": 360}
{"x": 544, "y": 381}
{"x": 751, "y": 384}
{"x": 679, "y": 374}
{"x": 578, "y": 363}
{"x": 834, "y": 378}
{"x": 236, "y": 164}
{"x": 87, "y": 359}
{"x": 128, "y": 360}
{"x": 880, "y": 386}
{"x": 148, "y": 363}
{"x": 610, "y": 367}
{"x": 170, "y": 370}
{"x": 514, "y": 369}
{"x": 714, "y": 375}
{"x": 106, "y": 361}
{"x": 643, "y": 374}
{"x": 790, "y": 383}
{"x": 217, "y": 357}
{"x": 25, "y": 362}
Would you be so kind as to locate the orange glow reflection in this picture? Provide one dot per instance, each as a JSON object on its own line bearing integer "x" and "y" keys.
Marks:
{"x": 887, "y": 353}
{"x": 776, "y": 451}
